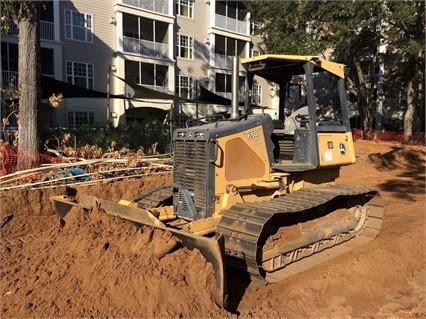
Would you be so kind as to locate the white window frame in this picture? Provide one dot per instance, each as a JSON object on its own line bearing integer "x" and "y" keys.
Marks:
{"x": 186, "y": 43}
{"x": 80, "y": 70}
{"x": 74, "y": 115}
{"x": 77, "y": 21}
{"x": 255, "y": 52}
{"x": 181, "y": 5}
{"x": 256, "y": 94}
{"x": 186, "y": 86}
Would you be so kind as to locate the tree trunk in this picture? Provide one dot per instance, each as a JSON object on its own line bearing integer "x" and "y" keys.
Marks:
{"x": 409, "y": 112}
{"x": 29, "y": 84}
{"x": 364, "y": 108}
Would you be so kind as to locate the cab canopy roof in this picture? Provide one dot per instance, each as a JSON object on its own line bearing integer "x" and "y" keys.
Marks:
{"x": 278, "y": 67}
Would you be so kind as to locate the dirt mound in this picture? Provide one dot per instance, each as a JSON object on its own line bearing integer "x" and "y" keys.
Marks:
{"x": 396, "y": 158}
{"x": 96, "y": 265}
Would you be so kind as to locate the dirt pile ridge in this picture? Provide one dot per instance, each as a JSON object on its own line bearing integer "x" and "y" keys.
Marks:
{"x": 91, "y": 265}
{"x": 94, "y": 265}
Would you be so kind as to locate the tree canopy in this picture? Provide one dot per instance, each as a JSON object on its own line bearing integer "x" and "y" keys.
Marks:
{"x": 364, "y": 35}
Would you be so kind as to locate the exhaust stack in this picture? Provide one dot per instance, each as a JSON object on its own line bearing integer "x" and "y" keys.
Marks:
{"x": 234, "y": 100}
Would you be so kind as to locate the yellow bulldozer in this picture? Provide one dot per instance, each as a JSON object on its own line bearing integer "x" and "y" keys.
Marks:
{"x": 261, "y": 194}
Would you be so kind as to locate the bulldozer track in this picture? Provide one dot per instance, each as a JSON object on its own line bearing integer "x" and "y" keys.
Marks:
{"x": 242, "y": 226}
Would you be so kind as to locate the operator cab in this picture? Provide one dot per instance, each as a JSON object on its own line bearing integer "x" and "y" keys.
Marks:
{"x": 316, "y": 134}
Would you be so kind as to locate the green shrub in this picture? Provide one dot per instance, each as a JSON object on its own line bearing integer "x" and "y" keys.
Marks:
{"x": 133, "y": 136}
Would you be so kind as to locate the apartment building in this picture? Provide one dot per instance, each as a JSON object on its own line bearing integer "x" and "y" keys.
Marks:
{"x": 170, "y": 46}
{"x": 175, "y": 46}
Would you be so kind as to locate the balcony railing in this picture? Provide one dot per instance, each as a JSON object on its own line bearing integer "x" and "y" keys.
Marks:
{"x": 10, "y": 78}
{"x": 158, "y": 88}
{"x": 146, "y": 48}
{"x": 231, "y": 24}
{"x": 160, "y": 6}
{"x": 46, "y": 30}
{"x": 129, "y": 91}
{"x": 225, "y": 62}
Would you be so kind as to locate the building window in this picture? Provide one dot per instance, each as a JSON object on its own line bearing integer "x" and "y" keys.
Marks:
{"x": 47, "y": 62}
{"x": 294, "y": 91}
{"x": 312, "y": 31}
{"x": 224, "y": 83}
{"x": 78, "y": 26}
{"x": 229, "y": 46}
{"x": 256, "y": 94}
{"x": 185, "y": 46}
{"x": 9, "y": 63}
{"x": 154, "y": 75}
{"x": 80, "y": 74}
{"x": 255, "y": 27}
{"x": 255, "y": 52}
{"x": 77, "y": 119}
{"x": 185, "y": 87}
{"x": 9, "y": 57}
{"x": 185, "y": 8}
{"x": 145, "y": 36}
{"x": 402, "y": 99}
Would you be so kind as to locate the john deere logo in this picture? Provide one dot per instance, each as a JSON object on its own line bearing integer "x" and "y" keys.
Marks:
{"x": 342, "y": 149}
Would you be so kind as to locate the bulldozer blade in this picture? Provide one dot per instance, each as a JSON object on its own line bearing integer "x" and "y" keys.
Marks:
{"x": 62, "y": 204}
{"x": 212, "y": 249}
{"x": 141, "y": 216}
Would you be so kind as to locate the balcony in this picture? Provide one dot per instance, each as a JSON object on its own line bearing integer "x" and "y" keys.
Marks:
{"x": 158, "y": 88}
{"x": 231, "y": 24}
{"x": 10, "y": 78}
{"x": 225, "y": 62}
{"x": 46, "y": 30}
{"x": 146, "y": 48}
{"x": 128, "y": 91}
{"x": 159, "y": 6}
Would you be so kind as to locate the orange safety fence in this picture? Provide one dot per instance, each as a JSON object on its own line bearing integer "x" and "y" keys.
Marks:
{"x": 9, "y": 153}
{"x": 417, "y": 138}
{"x": 9, "y": 158}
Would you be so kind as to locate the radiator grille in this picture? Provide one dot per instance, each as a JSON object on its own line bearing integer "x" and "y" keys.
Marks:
{"x": 190, "y": 172}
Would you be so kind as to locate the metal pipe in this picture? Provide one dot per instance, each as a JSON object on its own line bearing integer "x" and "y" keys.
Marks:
{"x": 234, "y": 99}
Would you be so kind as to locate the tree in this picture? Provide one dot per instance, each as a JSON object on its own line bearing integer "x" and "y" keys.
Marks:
{"x": 285, "y": 32}
{"x": 355, "y": 37}
{"x": 405, "y": 36}
{"x": 353, "y": 32}
{"x": 25, "y": 14}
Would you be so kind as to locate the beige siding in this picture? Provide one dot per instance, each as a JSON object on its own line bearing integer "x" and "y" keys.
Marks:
{"x": 196, "y": 27}
{"x": 100, "y": 51}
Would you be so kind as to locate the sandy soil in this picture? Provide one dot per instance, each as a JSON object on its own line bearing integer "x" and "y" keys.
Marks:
{"x": 95, "y": 265}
